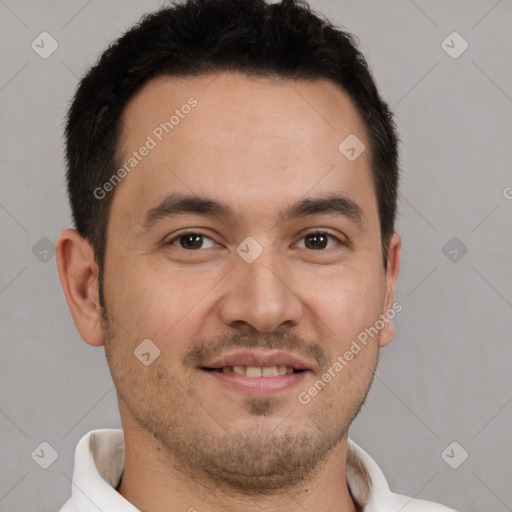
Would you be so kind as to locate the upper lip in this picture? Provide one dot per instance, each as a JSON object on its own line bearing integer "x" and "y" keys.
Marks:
{"x": 259, "y": 358}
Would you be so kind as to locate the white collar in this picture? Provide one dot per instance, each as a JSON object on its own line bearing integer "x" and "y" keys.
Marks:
{"x": 100, "y": 459}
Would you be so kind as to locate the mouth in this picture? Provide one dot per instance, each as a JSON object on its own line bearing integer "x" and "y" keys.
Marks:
{"x": 257, "y": 373}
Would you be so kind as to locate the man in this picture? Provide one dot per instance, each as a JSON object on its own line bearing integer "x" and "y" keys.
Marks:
{"x": 232, "y": 173}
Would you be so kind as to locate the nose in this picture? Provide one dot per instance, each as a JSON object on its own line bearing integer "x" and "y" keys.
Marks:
{"x": 261, "y": 294}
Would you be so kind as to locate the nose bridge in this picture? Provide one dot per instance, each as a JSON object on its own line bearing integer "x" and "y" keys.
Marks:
{"x": 265, "y": 279}
{"x": 260, "y": 293}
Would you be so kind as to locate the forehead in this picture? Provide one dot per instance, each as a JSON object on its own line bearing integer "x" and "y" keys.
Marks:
{"x": 232, "y": 136}
{"x": 241, "y": 105}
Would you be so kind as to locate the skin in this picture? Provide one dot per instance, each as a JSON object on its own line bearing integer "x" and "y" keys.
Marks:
{"x": 258, "y": 145}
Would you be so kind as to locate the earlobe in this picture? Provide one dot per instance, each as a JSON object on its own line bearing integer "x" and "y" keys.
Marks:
{"x": 78, "y": 274}
{"x": 393, "y": 268}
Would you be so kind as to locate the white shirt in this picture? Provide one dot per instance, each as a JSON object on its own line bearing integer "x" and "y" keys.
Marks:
{"x": 99, "y": 464}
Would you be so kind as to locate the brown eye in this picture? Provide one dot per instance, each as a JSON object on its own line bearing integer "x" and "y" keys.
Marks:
{"x": 192, "y": 241}
{"x": 318, "y": 240}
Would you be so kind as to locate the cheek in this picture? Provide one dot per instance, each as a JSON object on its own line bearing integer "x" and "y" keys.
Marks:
{"x": 152, "y": 302}
{"x": 347, "y": 304}
{"x": 348, "y": 308}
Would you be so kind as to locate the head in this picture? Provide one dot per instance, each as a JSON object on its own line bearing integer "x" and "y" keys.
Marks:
{"x": 216, "y": 212}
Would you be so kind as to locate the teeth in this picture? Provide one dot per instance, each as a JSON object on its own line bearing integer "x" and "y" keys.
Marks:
{"x": 257, "y": 371}
{"x": 240, "y": 370}
{"x": 253, "y": 371}
{"x": 268, "y": 371}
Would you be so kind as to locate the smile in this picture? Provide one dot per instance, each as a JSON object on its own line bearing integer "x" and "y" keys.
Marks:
{"x": 256, "y": 371}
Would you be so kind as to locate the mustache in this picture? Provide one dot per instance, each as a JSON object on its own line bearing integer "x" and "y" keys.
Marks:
{"x": 202, "y": 351}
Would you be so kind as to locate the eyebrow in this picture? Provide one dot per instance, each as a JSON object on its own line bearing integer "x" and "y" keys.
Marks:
{"x": 179, "y": 204}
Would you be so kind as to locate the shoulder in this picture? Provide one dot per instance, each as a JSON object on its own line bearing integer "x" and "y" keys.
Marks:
{"x": 370, "y": 489}
{"x": 405, "y": 503}
{"x": 68, "y": 506}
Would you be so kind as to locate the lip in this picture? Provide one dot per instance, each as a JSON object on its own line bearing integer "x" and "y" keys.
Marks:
{"x": 256, "y": 386}
{"x": 259, "y": 358}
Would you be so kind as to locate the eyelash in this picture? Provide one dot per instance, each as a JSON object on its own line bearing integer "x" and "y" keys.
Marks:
{"x": 314, "y": 232}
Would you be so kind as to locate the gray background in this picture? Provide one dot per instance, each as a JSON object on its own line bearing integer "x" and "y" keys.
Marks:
{"x": 446, "y": 377}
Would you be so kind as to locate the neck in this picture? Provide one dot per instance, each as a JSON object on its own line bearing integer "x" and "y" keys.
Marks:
{"x": 154, "y": 480}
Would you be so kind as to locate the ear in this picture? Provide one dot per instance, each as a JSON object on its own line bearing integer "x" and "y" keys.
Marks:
{"x": 392, "y": 270}
{"x": 78, "y": 274}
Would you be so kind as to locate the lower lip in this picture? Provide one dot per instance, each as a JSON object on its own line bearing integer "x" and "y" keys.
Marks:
{"x": 258, "y": 386}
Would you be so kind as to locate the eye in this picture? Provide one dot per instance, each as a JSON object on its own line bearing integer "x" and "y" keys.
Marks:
{"x": 318, "y": 240}
{"x": 192, "y": 241}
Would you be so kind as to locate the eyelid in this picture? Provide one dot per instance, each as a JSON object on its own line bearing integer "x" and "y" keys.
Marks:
{"x": 198, "y": 231}
{"x": 323, "y": 231}
{"x": 175, "y": 237}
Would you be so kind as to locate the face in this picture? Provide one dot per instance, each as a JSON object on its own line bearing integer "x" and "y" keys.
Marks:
{"x": 246, "y": 247}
